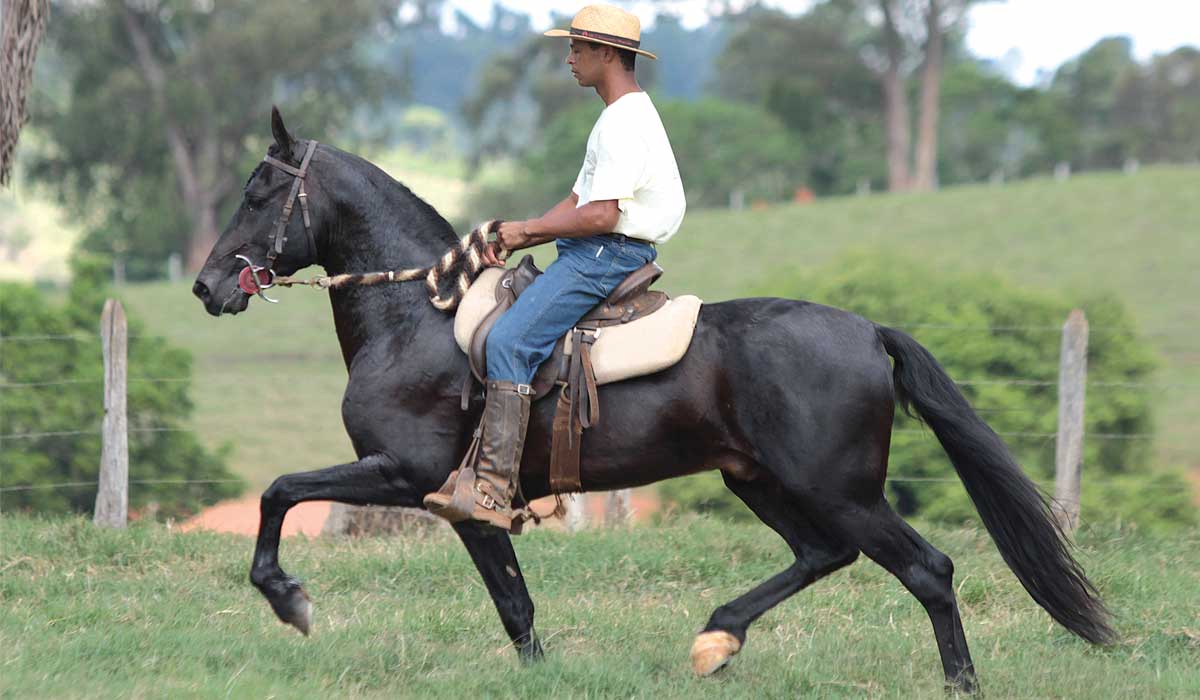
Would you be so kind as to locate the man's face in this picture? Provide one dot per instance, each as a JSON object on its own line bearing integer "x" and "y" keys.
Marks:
{"x": 587, "y": 62}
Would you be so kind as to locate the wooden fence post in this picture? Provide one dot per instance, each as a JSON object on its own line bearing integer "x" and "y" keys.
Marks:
{"x": 577, "y": 515}
{"x": 1068, "y": 452}
{"x": 617, "y": 507}
{"x": 112, "y": 500}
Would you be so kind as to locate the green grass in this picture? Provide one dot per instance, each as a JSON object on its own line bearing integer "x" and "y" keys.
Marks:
{"x": 151, "y": 613}
{"x": 1132, "y": 235}
{"x": 442, "y": 183}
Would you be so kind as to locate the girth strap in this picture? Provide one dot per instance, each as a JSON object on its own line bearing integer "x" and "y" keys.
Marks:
{"x": 578, "y": 407}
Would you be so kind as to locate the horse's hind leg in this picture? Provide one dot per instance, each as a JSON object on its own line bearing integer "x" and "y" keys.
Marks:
{"x": 492, "y": 551}
{"x": 817, "y": 555}
{"x": 360, "y": 483}
{"x": 927, "y": 574}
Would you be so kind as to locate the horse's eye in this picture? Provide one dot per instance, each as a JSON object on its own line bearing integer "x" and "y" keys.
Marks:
{"x": 253, "y": 203}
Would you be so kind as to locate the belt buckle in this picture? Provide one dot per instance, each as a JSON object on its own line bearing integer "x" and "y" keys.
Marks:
{"x": 525, "y": 390}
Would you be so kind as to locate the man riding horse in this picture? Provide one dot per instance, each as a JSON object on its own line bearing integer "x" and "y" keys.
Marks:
{"x": 627, "y": 198}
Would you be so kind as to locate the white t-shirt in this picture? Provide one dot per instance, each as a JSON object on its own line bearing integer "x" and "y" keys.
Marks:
{"x": 629, "y": 159}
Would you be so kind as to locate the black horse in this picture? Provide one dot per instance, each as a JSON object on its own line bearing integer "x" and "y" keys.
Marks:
{"x": 792, "y": 401}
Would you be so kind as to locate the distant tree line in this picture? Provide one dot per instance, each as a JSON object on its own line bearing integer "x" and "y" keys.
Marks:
{"x": 150, "y": 113}
{"x": 845, "y": 79}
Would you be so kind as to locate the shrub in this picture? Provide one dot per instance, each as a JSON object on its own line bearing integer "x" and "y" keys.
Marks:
{"x": 158, "y": 448}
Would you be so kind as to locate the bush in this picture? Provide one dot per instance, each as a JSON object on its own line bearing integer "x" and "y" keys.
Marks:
{"x": 158, "y": 450}
{"x": 988, "y": 333}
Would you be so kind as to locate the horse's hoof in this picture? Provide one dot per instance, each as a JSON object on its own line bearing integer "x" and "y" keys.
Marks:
{"x": 712, "y": 651}
{"x": 295, "y": 609}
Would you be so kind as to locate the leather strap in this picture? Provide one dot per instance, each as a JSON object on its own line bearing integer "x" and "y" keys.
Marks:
{"x": 589, "y": 408}
{"x": 564, "y": 447}
{"x": 279, "y": 239}
{"x": 468, "y": 385}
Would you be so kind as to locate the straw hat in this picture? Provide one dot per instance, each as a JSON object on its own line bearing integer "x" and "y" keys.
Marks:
{"x": 608, "y": 25}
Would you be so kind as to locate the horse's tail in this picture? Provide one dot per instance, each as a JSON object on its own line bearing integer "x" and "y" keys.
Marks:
{"x": 1013, "y": 509}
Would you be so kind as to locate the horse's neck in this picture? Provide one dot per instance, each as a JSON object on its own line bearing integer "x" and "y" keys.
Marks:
{"x": 383, "y": 226}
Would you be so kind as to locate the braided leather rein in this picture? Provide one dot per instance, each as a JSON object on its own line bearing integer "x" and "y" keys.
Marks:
{"x": 467, "y": 256}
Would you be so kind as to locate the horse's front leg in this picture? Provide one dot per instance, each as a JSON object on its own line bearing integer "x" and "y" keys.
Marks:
{"x": 369, "y": 481}
{"x": 492, "y": 551}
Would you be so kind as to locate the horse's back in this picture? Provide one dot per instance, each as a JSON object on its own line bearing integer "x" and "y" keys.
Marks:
{"x": 784, "y": 334}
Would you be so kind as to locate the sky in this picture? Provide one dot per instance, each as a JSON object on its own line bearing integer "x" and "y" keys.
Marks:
{"x": 1028, "y": 37}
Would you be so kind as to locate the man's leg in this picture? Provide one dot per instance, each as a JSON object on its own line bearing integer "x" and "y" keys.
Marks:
{"x": 521, "y": 340}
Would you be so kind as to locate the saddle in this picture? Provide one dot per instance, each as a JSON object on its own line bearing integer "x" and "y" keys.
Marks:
{"x": 633, "y": 332}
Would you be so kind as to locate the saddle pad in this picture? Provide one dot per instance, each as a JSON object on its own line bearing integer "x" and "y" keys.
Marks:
{"x": 478, "y": 302}
{"x": 644, "y": 346}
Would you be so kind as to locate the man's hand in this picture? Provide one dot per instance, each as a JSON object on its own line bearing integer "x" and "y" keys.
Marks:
{"x": 491, "y": 255}
{"x": 513, "y": 235}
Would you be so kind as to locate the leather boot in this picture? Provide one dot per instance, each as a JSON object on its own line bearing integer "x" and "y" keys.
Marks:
{"x": 483, "y": 489}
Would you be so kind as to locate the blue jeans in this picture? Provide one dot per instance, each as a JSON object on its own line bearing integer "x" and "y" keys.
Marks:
{"x": 586, "y": 272}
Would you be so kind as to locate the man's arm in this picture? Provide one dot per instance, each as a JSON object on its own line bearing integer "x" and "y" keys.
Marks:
{"x": 564, "y": 220}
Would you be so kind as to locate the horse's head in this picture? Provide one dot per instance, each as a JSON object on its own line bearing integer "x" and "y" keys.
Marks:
{"x": 266, "y": 237}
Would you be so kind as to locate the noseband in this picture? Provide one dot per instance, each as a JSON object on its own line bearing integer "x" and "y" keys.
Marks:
{"x": 253, "y": 279}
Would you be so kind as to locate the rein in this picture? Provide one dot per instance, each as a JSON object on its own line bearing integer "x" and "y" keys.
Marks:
{"x": 467, "y": 255}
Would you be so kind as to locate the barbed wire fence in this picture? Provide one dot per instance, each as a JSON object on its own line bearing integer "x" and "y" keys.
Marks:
{"x": 617, "y": 506}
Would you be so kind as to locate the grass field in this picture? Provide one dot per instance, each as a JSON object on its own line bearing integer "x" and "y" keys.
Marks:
{"x": 152, "y": 613}
{"x": 1133, "y": 235}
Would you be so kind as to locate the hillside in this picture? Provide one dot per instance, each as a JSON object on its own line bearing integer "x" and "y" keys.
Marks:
{"x": 270, "y": 380}
{"x": 148, "y": 612}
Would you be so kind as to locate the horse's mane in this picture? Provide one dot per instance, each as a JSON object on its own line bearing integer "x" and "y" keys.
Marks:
{"x": 431, "y": 214}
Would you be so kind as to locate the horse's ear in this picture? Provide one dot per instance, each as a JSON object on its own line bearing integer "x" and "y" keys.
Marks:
{"x": 282, "y": 138}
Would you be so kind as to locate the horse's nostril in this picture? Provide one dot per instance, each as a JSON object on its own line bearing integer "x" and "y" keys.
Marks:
{"x": 201, "y": 290}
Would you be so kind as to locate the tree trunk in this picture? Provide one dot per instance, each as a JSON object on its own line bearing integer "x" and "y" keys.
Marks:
{"x": 895, "y": 105}
{"x": 196, "y": 164}
{"x": 931, "y": 84}
{"x": 21, "y": 28}
{"x": 204, "y": 233}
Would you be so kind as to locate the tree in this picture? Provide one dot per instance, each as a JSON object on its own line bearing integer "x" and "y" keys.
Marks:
{"x": 912, "y": 34}
{"x": 806, "y": 72}
{"x": 22, "y": 23}
{"x": 199, "y": 77}
{"x": 1088, "y": 88}
{"x": 1156, "y": 109}
{"x": 518, "y": 93}
{"x": 981, "y": 125}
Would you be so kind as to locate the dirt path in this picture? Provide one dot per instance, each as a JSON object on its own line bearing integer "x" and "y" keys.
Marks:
{"x": 240, "y": 516}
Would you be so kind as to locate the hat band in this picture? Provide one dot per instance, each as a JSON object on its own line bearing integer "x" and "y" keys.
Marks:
{"x": 631, "y": 43}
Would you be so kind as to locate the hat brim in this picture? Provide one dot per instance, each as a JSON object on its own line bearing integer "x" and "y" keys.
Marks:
{"x": 569, "y": 35}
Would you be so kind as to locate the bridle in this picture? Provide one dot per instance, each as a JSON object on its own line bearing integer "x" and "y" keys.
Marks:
{"x": 463, "y": 262}
{"x": 253, "y": 279}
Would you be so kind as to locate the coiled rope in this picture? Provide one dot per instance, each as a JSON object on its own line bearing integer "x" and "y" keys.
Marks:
{"x": 467, "y": 257}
